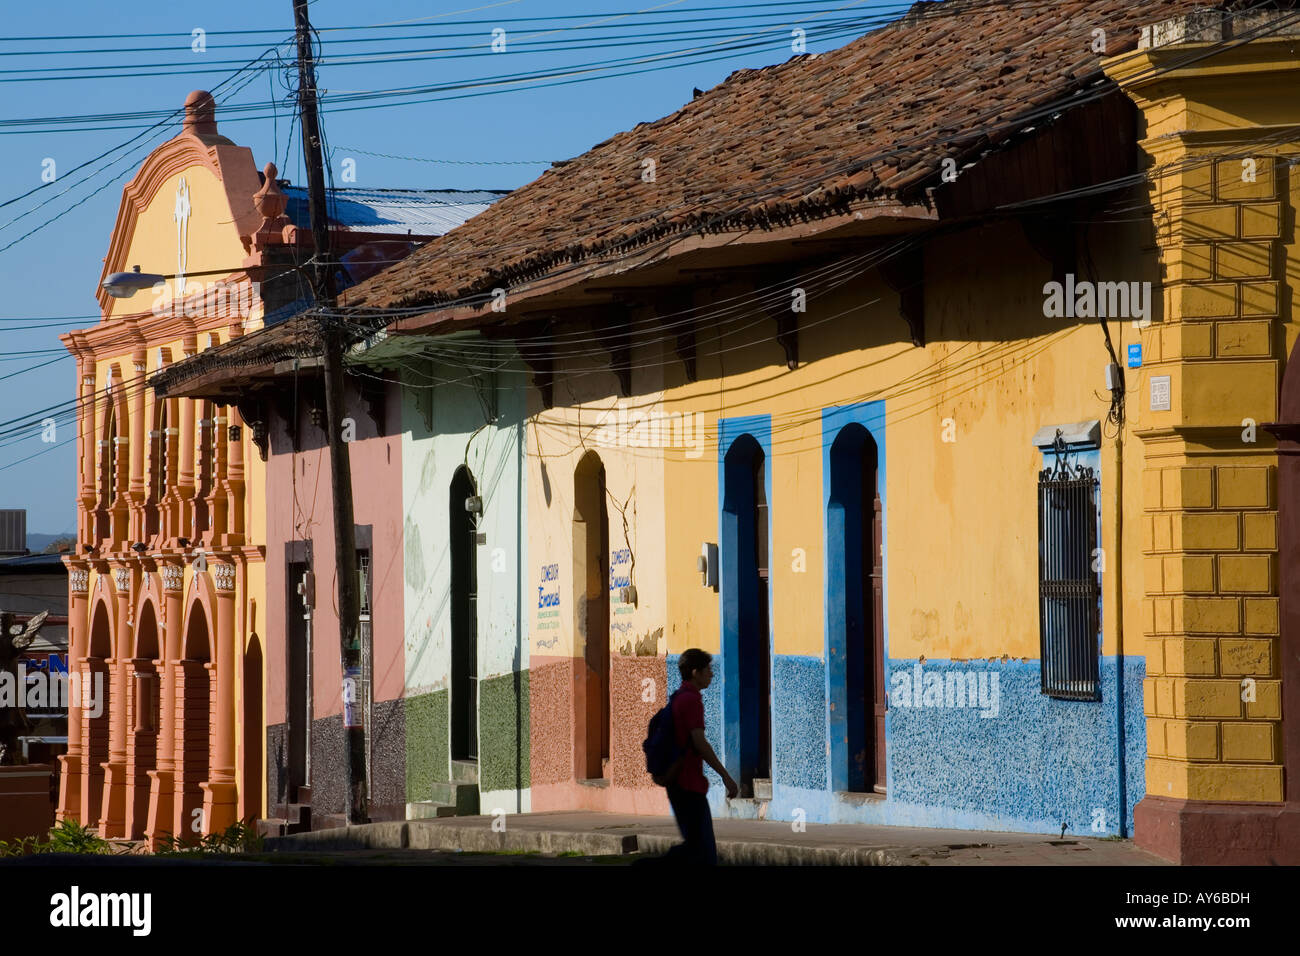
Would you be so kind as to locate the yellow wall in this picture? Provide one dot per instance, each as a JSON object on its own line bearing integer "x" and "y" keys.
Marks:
{"x": 961, "y": 519}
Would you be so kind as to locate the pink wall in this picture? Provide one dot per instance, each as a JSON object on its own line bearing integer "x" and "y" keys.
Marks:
{"x": 299, "y": 507}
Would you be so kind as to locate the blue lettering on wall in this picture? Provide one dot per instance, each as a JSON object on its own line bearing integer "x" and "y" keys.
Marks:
{"x": 620, "y": 569}
{"x": 550, "y": 575}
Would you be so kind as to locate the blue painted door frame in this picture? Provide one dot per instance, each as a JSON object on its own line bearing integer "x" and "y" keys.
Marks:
{"x": 871, "y": 417}
{"x": 736, "y": 607}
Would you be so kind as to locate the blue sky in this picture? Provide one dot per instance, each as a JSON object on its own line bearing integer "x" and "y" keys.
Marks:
{"x": 53, "y": 272}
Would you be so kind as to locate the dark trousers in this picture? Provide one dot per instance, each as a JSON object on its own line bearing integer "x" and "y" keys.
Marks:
{"x": 696, "y": 824}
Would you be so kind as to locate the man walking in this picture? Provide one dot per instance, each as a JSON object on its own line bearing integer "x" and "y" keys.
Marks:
{"x": 688, "y": 790}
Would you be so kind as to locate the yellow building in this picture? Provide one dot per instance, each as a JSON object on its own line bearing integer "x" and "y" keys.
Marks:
{"x": 958, "y": 376}
{"x": 1219, "y": 104}
{"x": 168, "y": 585}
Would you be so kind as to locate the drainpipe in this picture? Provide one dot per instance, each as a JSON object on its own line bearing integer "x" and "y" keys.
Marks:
{"x": 1120, "y": 748}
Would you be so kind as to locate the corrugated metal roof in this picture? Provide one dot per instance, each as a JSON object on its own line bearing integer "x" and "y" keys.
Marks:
{"x": 419, "y": 212}
{"x": 33, "y": 564}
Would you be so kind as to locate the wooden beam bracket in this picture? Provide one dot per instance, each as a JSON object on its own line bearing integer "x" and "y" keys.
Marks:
{"x": 253, "y": 412}
{"x": 617, "y": 340}
{"x": 539, "y": 358}
{"x": 905, "y": 274}
{"x": 1053, "y": 239}
{"x": 781, "y": 311}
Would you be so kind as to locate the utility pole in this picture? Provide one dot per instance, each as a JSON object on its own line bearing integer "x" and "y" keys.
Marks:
{"x": 345, "y": 551}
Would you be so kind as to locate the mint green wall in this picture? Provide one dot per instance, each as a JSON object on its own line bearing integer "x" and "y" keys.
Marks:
{"x": 445, "y": 424}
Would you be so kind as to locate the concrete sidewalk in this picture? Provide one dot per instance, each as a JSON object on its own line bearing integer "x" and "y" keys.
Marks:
{"x": 739, "y": 841}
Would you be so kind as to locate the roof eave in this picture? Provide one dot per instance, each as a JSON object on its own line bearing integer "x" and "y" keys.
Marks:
{"x": 864, "y": 219}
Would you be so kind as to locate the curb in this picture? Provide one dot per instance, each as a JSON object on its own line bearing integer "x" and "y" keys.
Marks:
{"x": 416, "y": 835}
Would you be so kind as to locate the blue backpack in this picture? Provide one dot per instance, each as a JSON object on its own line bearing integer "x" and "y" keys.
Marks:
{"x": 662, "y": 755}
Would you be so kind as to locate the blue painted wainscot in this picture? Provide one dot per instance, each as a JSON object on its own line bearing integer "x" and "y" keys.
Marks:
{"x": 1030, "y": 765}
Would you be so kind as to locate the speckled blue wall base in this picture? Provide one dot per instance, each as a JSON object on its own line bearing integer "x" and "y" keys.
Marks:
{"x": 1037, "y": 764}
{"x": 799, "y": 731}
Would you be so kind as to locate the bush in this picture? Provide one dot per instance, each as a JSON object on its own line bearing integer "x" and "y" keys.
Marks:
{"x": 68, "y": 837}
{"x": 239, "y": 837}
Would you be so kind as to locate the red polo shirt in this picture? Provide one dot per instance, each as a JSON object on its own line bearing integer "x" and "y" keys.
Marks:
{"x": 688, "y": 713}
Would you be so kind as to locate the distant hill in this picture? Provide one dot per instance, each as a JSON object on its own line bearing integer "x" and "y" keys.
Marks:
{"x": 36, "y": 543}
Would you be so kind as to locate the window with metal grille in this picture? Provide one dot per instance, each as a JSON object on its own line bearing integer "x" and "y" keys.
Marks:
{"x": 1068, "y": 584}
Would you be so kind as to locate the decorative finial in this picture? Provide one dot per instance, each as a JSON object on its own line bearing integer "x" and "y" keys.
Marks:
{"x": 200, "y": 113}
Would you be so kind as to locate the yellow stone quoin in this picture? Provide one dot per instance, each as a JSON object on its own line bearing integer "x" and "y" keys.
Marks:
{"x": 1220, "y": 185}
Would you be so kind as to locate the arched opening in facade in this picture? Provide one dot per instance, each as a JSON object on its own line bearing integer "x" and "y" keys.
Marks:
{"x": 591, "y": 638}
{"x": 745, "y": 599}
{"x": 463, "y": 543}
{"x": 158, "y": 479}
{"x": 142, "y": 727}
{"x": 855, "y": 613}
{"x": 107, "y": 475}
{"x": 194, "y": 689}
{"x": 250, "y": 795}
{"x": 96, "y": 690}
{"x": 204, "y": 471}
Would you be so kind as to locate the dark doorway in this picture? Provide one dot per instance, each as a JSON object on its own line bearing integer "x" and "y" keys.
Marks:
{"x": 195, "y": 731}
{"x": 251, "y": 794}
{"x": 591, "y": 586}
{"x": 98, "y": 684}
{"x": 142, "y": 735}
{"x": 745, "y": 532}
{"x": 297, "y": 629}
{"x": 463, "y": 539}
{"x": 855, "y": 611}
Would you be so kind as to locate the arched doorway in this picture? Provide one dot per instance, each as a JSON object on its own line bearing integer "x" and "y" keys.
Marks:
{"x": 855, "y": 613}
{"x": 591, "y": 639}
{"x": 250, "y": 795}
{"x": 96, "y": 686}
{"x": 745, "y": 596}
{"x": 142, "y": 731}
{"x": 463, "y": 542}
{"x": 194, "y": 687}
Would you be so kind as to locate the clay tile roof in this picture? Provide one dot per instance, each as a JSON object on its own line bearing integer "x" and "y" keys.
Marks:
{"x": 872, "y": 119}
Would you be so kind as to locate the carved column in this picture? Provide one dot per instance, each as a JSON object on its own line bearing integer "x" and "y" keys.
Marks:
{"x": 162, "y": 781}
{"x": 86, "y": 440}
{"x": 78, "y": 633}
{"x": 237, "y": 433}
{"x": 218, "y": 497}
{"x": 219, "y": 792}
{"x": 203, "y": 476}
{"x": 185, "y": 477}
{"x": 137, "y": 490}
{"x": 103, "y": 470}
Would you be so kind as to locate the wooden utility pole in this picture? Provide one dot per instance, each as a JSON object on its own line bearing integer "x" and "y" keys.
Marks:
{"x": 345, "y": 552}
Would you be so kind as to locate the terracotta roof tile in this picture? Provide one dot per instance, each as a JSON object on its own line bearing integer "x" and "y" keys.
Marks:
{"x": 872, "y": 119}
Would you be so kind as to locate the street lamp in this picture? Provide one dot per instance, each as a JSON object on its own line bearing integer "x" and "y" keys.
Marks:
{"x": 123, "y": 285}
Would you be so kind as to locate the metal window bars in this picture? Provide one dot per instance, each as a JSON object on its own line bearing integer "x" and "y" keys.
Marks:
{"x": 1068, "y": 585}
